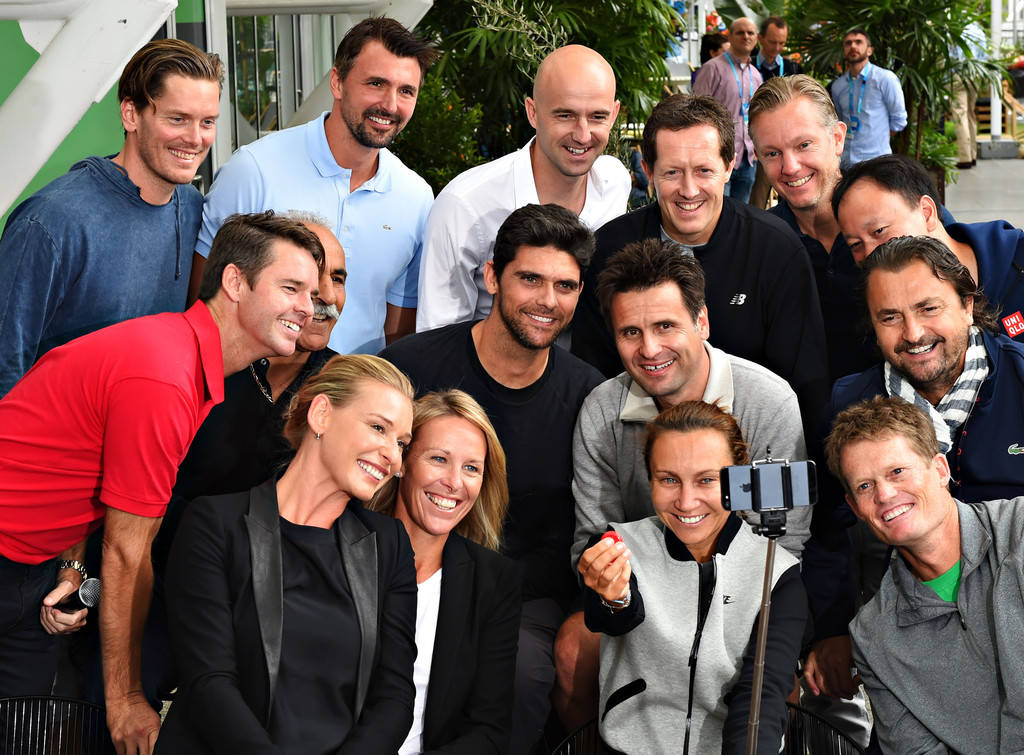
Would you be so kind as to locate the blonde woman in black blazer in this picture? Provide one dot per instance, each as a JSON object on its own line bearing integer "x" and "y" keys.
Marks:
{"x": 292, "y": 607}
{"x": 451, "y": 497}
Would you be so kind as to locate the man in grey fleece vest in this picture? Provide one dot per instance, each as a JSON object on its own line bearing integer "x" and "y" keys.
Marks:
{"x": 938, "y": 647}
{"x": 653, "y": 298}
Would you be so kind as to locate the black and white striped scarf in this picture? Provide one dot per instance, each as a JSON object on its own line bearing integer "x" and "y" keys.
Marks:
{"x": 952, "y": 411}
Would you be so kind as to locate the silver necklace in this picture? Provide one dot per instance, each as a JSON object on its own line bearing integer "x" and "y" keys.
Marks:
{"x": 259, "y": 384}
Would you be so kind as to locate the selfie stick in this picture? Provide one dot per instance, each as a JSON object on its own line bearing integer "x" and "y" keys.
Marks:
{"x": 772, "y": 526}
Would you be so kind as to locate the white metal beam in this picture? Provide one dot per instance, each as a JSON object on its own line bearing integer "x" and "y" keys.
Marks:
{"x": 996, "y": 28}
{"x": 86, "y": 45}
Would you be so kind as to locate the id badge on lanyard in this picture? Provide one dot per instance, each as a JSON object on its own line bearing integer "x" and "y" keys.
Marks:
{"x": 744, "y": 104}
{"x": 855, "y": 114}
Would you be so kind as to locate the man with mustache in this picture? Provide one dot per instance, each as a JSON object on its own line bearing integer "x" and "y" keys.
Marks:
{"x": 942, "y": 354}
{"x": 573, "y": 108}
{"x": 240, "y": 443}
{"x": 338, "y": 166}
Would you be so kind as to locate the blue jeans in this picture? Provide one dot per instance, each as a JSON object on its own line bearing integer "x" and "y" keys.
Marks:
{"x": 741, "y": 182}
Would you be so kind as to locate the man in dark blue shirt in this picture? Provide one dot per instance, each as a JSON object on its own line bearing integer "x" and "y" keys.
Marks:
{"x": 799, "y": 141}
{"x": 532, "y": 391}
{"x": 112, "y": 239}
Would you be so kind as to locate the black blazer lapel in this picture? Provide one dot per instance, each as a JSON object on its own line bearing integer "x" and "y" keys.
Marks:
{"x": 359, "y": 556}
{"x": 267, "y": 581}
{"x": 457, "y": 575}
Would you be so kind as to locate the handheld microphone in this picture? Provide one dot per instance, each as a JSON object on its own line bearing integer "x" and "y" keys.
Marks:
{"x": 86, "y": 596}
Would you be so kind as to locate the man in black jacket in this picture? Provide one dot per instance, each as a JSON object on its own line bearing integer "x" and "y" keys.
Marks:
{"x": 760, "y": 288}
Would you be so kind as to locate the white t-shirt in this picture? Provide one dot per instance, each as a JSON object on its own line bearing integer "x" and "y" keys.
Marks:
{"x": 428, "y": 601}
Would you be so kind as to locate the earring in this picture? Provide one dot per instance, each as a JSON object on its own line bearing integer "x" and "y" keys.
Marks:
{"x": 316, "y": 435}
{"x": 398, "y": 473}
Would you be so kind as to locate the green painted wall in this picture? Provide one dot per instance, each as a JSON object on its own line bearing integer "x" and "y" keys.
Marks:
{"x": 97, "y": 133}
{"x": 190, "y": 12}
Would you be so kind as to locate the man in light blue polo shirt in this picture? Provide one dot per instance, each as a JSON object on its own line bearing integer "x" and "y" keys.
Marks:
{"x": 869, "y": 100}
{"x": 338, "y": 166}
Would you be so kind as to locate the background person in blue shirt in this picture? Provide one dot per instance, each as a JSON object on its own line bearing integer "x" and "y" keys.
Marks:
{"x": 869, "y": 100}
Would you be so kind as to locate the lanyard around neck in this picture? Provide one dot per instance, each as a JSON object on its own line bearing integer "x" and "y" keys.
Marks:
{"x": 866, "y": 73}
{"x": 744, "y": 104}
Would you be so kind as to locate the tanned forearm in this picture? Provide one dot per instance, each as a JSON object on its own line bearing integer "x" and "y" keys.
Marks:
{"x": 398, "y": 322}
{"x": 127, "y": 588}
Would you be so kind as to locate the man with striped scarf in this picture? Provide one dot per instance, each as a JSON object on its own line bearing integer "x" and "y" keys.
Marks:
{"x": 942, "y": 352}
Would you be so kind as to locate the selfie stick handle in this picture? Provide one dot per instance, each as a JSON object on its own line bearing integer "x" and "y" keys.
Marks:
{"x": 762, "y": 641}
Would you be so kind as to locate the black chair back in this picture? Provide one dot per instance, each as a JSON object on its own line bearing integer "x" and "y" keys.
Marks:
{"x": 810, "y": 734}
{"x": 52, "y": 726}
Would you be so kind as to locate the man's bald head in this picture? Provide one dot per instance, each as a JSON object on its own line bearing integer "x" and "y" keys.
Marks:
{"x": 579, "y": 64}
{"x": 572, "y": 108}
{"x": 330, "y": 299}
{"x": 742, "y": 38}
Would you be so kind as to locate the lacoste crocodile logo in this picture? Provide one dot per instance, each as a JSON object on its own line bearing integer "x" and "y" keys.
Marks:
{"x": 1014, "y": 450}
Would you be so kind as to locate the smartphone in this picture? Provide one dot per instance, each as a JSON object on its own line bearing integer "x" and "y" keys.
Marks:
{"x": 769, "y": 485}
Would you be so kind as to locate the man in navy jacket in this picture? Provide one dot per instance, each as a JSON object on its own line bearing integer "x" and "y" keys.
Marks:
{"x": 941, "y": 353}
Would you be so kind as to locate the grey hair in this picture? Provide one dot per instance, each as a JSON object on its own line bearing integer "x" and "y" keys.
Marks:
{"x": 307, "y": 217}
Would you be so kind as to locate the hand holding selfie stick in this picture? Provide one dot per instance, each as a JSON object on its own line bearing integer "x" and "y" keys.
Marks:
{"x": 770, "y": 487}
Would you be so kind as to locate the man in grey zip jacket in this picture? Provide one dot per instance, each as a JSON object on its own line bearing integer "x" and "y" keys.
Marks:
{"x": 653, "y": 298}
{"x": 938, "y": 647}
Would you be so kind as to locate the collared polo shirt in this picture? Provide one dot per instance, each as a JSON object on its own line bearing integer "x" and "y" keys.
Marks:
{"x": 380, "y": 225}
{"x": 465, "y": 220}
{"x": 103, "y": 421}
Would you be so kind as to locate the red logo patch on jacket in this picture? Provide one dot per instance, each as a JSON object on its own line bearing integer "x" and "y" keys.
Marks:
{"x": 1014, "y": 324}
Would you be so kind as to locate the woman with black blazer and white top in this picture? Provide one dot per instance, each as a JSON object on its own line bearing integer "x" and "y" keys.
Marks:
{"x": 451, "y": 497}
{"x": 291, "y": 607}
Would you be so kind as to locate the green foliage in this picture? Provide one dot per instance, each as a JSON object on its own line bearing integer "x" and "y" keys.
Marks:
{"x": 914, "y": 38}
{"x": 490, "y": 50}
{"x": 938, "y": 149}
{"x": 757, "y": 10}
{"x": 440, "y": 140}
{"x": 255, "y": 70}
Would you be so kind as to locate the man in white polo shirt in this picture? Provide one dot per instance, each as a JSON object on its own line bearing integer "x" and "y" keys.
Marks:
{"x": 572, "y": 109}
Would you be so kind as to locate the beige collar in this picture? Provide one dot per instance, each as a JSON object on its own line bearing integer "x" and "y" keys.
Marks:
{"x": 640, "y": 407}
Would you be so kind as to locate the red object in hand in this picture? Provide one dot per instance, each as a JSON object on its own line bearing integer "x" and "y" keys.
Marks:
{"x": 615, "y": 536}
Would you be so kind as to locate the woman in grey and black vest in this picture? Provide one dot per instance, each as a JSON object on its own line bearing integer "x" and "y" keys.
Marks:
{"x": 677, "y": 662}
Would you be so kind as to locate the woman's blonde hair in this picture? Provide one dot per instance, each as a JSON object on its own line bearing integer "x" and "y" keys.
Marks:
{"x": 339, "y": 380}
{"x": 483, "y": 522}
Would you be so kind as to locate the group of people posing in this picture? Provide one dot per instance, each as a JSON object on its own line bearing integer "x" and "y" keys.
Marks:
{"x": 356, "y": 498}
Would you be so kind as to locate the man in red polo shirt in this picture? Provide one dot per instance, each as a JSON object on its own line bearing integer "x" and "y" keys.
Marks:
{"x": 94, "y": 433}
